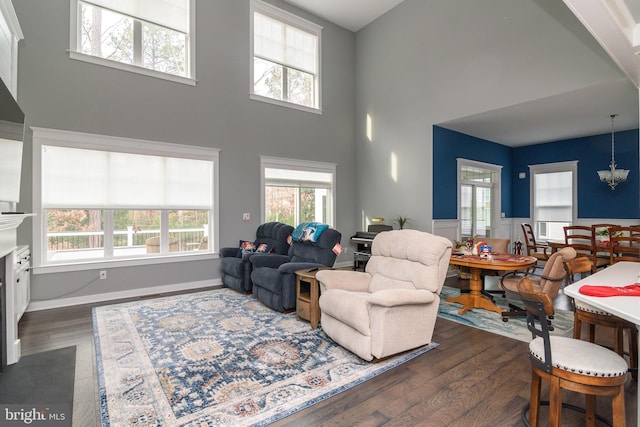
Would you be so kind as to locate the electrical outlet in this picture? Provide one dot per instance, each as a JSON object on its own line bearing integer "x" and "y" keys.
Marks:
{"x": 103, "y": 274}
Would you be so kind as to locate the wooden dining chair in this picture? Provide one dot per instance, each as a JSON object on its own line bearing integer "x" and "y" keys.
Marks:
{"x": 624, "y": 243}
{"x": 537, "y": 250}
{"x": 582, "y": 238}
{"x": 592, "y": 317}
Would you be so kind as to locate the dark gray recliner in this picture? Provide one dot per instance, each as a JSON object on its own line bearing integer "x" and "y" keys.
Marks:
{"x": 236, "y": 271}
{"x": 273, "y": 277}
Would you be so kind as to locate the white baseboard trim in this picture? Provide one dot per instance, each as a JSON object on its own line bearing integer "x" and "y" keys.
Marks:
{"x": 112, "y": 296}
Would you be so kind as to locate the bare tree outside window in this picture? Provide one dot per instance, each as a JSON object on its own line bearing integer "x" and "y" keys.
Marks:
{"x": 111, "y": 35}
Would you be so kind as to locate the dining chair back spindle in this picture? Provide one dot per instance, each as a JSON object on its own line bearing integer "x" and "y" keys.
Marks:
{"x": 582, "y": 238}
{"x": 624, "y": 244}
{"x": 537, "y": 250}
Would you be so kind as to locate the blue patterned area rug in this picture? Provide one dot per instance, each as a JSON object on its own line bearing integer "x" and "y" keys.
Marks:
{"x": 216, "y": 358}
{"x": 491, "y": 321}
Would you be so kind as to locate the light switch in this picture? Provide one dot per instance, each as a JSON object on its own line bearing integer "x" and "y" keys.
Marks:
{"x": 246, "y": 216}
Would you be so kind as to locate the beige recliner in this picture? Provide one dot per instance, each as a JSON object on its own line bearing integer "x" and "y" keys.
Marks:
{"x": 392, "y": 306}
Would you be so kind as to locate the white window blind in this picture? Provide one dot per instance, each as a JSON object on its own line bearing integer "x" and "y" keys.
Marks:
{"x": 173, "y": 14}
{"x": 284, "y": 44}
{"x": 73, "y": 178}
{"x": 553, "y": 196}
{"x": 297, "y": 178}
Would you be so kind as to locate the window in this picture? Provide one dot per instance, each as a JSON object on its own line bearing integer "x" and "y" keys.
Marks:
{"x": 102, "y": 198}
{"x": 552, "y": 198}
{"x": 478, "y": 196}
{"x": 285, "y": 63}
{"x": 296, "y": 191}
{"x": 153, "y": 37}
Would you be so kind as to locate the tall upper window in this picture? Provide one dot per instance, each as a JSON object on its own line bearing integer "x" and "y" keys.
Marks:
{"x": 296, "y": 191}
{"x": 100, "y": 198}
{"x": 148, "y": 36}
{"x": 285, "y": 60}
{"x": 553, "y": 198}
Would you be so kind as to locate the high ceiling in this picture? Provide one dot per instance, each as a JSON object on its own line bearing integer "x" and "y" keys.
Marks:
{"x": 350, "y": 14}
{"x": 570, "y": 115}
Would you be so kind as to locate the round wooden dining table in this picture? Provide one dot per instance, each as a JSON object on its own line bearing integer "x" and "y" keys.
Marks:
{"x": 479, "y": 265}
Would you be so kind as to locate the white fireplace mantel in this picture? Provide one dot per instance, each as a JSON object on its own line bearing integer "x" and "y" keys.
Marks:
{"x": 8, "y": 231}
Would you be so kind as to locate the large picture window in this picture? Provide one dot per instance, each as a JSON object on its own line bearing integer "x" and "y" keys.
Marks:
{"x": 146, "y": 36}
{"x": 108, "y": 199}
{"x": 285, "y": 63}
{"x": 296, "y": 191}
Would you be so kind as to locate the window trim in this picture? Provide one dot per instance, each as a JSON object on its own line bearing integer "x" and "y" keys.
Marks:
{"x": 295, "y": 21}
{"x": 301, "y": 165}
{"x": 44, "y": 136}
{"x": 79, "y": 56}
{"x": 496, "y": 189}
{"x": 569, "y": 166}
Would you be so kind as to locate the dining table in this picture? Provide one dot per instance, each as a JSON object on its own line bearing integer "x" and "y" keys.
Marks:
{"x": 479, "y": 265}
{"x": 555, "y": 245}
{"x": 617, "y": 275}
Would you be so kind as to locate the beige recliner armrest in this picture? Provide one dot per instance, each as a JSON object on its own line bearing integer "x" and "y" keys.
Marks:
{"x": 355, "y": 281}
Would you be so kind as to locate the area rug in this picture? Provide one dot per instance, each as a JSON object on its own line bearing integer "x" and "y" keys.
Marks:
{"x": 491, "y": 321}
{"x": 217, "y": 358}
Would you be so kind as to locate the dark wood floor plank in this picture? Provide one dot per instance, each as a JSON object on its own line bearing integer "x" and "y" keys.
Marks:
{"x": 473, "y": 378}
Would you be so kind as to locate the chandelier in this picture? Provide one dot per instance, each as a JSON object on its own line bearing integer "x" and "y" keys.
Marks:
{"x": 613, "y": 176}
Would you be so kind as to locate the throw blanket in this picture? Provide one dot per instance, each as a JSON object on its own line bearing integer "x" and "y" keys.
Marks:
{"x": 610, "y": 291}
{"x": 308, "y": 231}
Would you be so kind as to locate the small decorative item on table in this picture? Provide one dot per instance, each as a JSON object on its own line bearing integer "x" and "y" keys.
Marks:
{"x": 485, "y": 251}
{"x": 463, "y": 247}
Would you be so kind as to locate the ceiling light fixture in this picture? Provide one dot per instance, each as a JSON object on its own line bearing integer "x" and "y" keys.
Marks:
{"x": 613, "y": 176}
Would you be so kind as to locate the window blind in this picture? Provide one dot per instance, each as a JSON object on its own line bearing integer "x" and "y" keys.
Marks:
{"x": 297, "y": 178}
{"x": 284, "y": 44}
{"x": 553, "y": 196}
{"x": 173, "y": 14}
{"x": 82, "y": 178}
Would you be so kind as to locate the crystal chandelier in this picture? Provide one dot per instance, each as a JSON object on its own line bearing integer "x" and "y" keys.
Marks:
{"x": 613, "y": 176}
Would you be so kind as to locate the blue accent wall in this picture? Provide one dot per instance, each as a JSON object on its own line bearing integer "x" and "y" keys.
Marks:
{"x": 593, "y": 153}
{"x": 448, "y": 146}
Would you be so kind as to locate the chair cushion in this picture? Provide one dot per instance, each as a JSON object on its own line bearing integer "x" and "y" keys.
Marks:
{"x": 581, "y": 357}
{"x": 274, "y": 234}
{"x": 411, "y": 259}
{"x": 268, "y": 278}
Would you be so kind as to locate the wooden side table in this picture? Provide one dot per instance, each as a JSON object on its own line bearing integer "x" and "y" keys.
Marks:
{"x": 307, "y": 296}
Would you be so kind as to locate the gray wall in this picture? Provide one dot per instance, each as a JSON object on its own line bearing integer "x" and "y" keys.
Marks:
{"x": 56, "y": 92}
{"x": 426, "y": 62}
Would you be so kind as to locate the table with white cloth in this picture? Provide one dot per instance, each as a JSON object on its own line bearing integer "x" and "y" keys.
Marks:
{"x": 625, "y": 307}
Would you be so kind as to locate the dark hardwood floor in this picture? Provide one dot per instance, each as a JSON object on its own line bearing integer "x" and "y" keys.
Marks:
{"x": 473, "y": 378}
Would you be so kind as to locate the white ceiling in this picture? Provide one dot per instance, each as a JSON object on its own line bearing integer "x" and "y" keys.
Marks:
{"x": 612, "y": 23}
{"x": 350, "y": 14}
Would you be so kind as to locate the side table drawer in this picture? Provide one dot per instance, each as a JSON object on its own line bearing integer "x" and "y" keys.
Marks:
{"x": 303, "y": 310}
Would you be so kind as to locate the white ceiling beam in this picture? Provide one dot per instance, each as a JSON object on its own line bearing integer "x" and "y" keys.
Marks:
{"x": 616, "y": 26}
